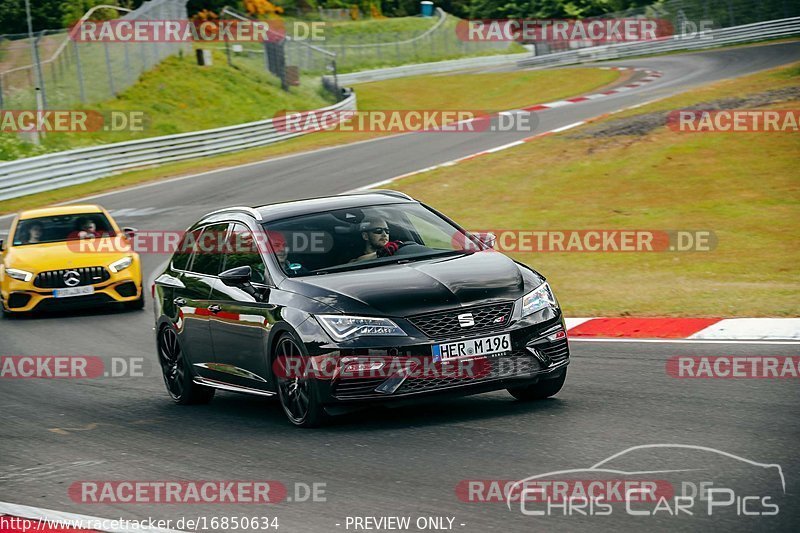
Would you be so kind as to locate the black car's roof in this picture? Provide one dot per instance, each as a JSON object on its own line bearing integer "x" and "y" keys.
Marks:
{"x": 294, "y": 208}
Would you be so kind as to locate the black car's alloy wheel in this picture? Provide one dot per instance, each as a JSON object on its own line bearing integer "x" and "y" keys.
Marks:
{"x": 177, "y": 375}
{"x": 298, "y": 395}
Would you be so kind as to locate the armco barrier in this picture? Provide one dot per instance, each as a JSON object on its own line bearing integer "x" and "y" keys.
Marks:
{"x": 429, "y": 68}
{"x": 759, "y": 31}
{"x": 61, "y": 169}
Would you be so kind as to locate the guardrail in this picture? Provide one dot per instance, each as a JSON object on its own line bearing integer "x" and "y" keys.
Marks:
{"x": 758, "y": 31}
{"x": 434, "y": 67}
{"x": 62, "y": 169}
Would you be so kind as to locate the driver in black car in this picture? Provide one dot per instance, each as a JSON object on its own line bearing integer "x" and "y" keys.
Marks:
{"x": 375, "y": 232}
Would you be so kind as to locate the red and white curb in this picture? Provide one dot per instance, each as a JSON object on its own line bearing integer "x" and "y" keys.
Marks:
{"x": 24, "y": 519}
{"x": 652, "y": 75}
{"x": 698, "y": 329}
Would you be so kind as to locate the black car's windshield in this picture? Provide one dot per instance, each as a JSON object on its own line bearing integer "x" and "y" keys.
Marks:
{"x": 61, "y": 228}
{"x": 363, "y": 237}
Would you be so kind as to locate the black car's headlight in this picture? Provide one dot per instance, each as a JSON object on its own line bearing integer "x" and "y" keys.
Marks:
{"x": 539, "y": 298}
{"x": 344, "y": 327}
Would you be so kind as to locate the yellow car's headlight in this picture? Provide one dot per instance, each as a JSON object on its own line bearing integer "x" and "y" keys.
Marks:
{"x": 121, "y": 264}
{"x": 22, "y": 275}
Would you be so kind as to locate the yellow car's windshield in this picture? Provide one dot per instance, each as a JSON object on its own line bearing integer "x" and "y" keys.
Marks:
{"x": 61, "y": 228}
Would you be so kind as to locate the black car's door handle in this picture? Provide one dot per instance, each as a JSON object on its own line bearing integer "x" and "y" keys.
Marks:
{"x": 214, "y": 308}
{"x": 179, "y": 301}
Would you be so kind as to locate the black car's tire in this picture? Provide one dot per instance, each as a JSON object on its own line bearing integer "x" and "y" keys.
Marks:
{"x": 299, "y": 396}
{"x": 136, "y": 304}
{"x": 177, "y": 372}
{"x": 539, "y": 391}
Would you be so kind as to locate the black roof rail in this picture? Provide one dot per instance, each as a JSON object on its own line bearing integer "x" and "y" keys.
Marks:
{"x": 387, "y": 192}
{"x": 238, "y": 209}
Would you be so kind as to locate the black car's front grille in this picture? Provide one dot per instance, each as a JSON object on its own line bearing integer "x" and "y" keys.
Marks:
{"x": 54, "y": 279}
{"x": 515, "y": 364}
{"x": 447, "y": 323}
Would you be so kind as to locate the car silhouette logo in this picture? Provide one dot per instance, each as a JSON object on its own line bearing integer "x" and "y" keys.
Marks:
{"x": 72, "y": 278}
{"x": 466, "y": 320}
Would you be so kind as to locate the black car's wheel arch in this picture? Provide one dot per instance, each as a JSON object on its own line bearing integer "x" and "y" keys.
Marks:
{"x": 163, "y": 323}
{"x": 276, "y": 333}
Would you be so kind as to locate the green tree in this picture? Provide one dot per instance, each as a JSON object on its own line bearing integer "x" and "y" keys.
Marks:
{"x": 45, "y": 14}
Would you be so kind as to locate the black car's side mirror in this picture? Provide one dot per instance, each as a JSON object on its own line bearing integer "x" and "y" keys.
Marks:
{"x": 129, "y": 232}
{"x": 240, "y": 277}
{"x": 2, "y": 245}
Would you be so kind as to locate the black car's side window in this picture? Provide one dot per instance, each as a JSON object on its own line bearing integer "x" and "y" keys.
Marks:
{"x": 206, "y": 253}
{"x": 180, "y": 260}
{"x": 242, "y": 250}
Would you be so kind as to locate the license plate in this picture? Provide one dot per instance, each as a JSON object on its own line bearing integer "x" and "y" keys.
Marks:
{"x": 472, "y": 348}
{"x": 73, "y": 291}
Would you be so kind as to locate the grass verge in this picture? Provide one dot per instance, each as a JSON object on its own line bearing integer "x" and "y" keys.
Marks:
{"x": 465, "y": 91}
{"x": 178, "y": 96}
{"x": 743, "y": 187}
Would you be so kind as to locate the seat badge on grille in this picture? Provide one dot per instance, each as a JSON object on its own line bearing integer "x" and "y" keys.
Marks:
{"x": 72, "y": 278}
{"x": 466, "y": 320}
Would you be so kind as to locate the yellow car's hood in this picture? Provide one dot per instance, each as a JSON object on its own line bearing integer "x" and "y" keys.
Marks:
{"x": 59, "y": 255}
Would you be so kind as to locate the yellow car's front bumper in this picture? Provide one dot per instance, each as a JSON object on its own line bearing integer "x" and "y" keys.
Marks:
{"x": 21, "y": 296}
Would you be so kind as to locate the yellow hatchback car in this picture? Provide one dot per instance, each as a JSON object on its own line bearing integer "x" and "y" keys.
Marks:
{"x": 66, "y": 257}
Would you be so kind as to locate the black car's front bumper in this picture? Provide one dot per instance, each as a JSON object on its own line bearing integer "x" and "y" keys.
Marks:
{"x": 539, "y": 350}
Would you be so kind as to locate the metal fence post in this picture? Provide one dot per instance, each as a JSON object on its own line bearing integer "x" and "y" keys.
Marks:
{"x": 143, "y": 53}
{"x": 397, "y": 46}
{"x": 79, "y": 71}
{"x": 128, "y": 70}
{"x": 108, "y": 69}
{"x": 39, "y": 69}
